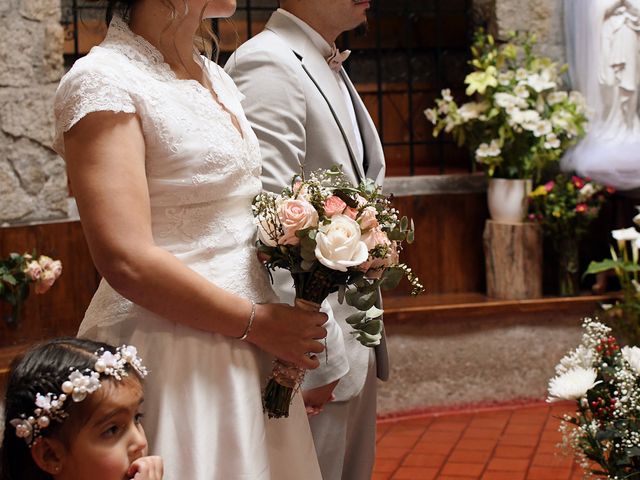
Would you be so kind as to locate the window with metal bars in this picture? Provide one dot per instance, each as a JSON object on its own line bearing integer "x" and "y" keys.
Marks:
{"x": 410, "y": 51}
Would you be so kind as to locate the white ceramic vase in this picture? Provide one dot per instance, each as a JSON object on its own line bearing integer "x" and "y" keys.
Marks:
{"x": 507, "y": 199}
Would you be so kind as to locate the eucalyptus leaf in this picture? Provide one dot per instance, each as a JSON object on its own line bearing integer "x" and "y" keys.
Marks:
{"x": 374, "y": 312}
{"x": 372, "y": 327}
{"x": 341, "y": 291}
{"x": 356, "y": 318}
{"x": 404, "y": 224}
{"x": 362, "y": 300}
{"x": 391, "y": 278}
{"x": 396, "y": 235}
{"x": 411, "y": 236}
{"x": 10, "y": 279}
{"x": 368, "y": 340}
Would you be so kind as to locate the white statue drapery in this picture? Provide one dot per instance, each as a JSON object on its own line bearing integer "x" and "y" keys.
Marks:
{"x": 603, "y": 51}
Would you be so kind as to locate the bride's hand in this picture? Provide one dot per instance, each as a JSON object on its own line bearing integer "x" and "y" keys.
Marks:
{"x": 289, "y": 333}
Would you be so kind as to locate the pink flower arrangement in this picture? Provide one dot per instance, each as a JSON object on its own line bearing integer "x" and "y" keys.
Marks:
{"x": 18, "y": 272}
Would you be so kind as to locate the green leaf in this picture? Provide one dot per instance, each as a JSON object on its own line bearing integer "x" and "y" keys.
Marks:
{"x": 374, "y": 312}
{"x": 391, "y": 278}
{"x": 362, "y": 300}
{"x": 396, "y": 235}
{"x": 404, "y": 224}
{"x": 368, "y": 340}
{"x": 411, "y": 236}
{"x": 10, "y": 279}
{"x": 372, "y": 327}
{"x": 355, "y": 318}
{"x": 602, "y": 266}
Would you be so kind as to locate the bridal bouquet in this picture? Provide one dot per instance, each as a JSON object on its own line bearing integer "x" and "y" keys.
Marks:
{"x": 604, "y": 381}
{"x": 332, "y": 237}
{"x": 18, "y": 272}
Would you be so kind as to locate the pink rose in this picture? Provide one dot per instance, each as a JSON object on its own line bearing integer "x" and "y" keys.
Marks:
{"x": 46, "y": 280}
{"x": 375, "y": 237}
{"x": 368, "y": 218}
{"x": 299, "y": 189}
{"x": 352, "y": 213}
{"x": 333, "y": 205}
{"x": 361, "y": 200}
{"x": 33, "y": 270}
{"x": 295, "y": 215}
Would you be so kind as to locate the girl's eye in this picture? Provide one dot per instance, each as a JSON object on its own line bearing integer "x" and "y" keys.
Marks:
{"x": 111, "y": 431}
{"x": 138, "y": 418}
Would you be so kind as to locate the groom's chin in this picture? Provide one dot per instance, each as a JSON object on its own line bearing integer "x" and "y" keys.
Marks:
{"x": 362, "y": 29}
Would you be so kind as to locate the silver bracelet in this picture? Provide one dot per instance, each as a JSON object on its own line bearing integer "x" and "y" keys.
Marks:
{"x": 250, "y": 323}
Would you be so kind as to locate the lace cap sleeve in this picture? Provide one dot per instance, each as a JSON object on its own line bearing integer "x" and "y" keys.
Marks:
{"x": 85, "y": 90}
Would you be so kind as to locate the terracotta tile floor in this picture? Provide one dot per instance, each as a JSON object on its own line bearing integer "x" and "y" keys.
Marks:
{"x": 501, "y": 443}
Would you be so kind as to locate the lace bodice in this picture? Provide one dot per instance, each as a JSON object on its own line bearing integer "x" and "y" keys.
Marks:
{"x": 202, "y": 174}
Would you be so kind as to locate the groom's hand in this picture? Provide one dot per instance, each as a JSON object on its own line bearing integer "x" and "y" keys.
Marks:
{"x": 289, "y": 333}
{"x": 316, "y": 398}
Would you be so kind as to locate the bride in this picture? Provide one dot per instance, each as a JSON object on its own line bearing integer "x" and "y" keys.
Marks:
{"x": 164, "y": 166}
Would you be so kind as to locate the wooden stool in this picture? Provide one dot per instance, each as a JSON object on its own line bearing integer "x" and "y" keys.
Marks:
{"x": 513, "y": 260}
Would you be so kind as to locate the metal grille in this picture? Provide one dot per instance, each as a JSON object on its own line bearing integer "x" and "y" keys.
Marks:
{"x": 413, "y": 49}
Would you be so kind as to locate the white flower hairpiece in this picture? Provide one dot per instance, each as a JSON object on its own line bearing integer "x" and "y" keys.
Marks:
{"x": 51, "y": 407}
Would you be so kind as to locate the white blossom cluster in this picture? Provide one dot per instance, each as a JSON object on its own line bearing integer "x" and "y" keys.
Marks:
{"x": 613, "y": 406}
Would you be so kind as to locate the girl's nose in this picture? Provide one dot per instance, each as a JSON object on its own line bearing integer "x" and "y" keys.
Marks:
{"x": 138, "y": 446}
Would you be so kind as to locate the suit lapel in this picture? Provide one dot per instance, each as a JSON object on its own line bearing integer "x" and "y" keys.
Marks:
{"x": 323, "y": 78}
{"x": 370, "y": 137}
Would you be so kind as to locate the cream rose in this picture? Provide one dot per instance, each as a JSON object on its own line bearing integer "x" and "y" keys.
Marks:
{"x": 51, "y": 270}
{"x": 368, "y": 218}
{"x": 375, "y": 237}
{"x": 295, "y": 215}
{"x": 33, "y": 270}
{"x": 338, "y": 244}
{"x": 333, "y": 206}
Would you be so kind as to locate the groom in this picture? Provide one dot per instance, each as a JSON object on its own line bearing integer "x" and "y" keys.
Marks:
{"x": 308, "y": 116}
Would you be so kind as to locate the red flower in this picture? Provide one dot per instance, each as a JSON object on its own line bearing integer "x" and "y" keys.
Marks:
{"x": 581, "y": 207}
{"x": 549, "y": 185}
{"x": 611, "y": 190}
{"x": 577, "y": 181}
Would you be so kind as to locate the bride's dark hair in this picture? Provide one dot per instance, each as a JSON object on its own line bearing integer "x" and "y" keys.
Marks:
{"x": 206, "y": 41}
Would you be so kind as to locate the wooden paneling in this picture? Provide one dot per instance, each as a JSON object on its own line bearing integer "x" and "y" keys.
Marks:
{"x": 447, "y": 254}
{"x": 59, "y": 311}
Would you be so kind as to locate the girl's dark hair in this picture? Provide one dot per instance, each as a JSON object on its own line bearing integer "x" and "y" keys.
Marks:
{"x": 43, "y": 369}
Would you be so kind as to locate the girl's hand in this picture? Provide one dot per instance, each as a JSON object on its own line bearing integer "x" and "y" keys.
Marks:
{"x": 146, "y": 468}
{"x": 289, "y": 333}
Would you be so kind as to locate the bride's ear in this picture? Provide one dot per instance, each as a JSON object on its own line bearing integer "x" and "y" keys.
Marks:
{"x": 49, "y": 455}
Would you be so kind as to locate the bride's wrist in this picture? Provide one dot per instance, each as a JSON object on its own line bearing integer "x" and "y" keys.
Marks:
{"x": 249, "y": 325}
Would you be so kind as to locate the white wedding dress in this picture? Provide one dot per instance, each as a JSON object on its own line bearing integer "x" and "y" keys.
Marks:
{"x": 203, "y": 393}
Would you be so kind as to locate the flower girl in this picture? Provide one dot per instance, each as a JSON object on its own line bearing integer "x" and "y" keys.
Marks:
{"x": 72, "y": 412}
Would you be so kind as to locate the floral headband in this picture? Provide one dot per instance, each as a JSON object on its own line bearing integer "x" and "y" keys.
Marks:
{"x": 78, "y": 386}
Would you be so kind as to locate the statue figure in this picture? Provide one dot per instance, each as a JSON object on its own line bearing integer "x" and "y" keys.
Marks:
{"x": 603, "y": 51}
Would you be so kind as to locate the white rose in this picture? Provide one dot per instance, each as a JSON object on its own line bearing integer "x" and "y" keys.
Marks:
{"x": 266, "y": 232}
{"x": 338, "y": 244}
{"x": 295, "y": 215}
{"x": 632, "y": 355}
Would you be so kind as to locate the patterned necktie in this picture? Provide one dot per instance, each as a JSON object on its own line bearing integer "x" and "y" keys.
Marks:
{"x": 336, "y": 58}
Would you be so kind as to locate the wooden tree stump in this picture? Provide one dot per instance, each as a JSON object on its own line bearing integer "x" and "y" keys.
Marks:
{"x": 513, "y": 259}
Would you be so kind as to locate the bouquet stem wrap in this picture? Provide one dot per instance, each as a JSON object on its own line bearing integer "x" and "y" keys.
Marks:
{"x": 285, "y": 378}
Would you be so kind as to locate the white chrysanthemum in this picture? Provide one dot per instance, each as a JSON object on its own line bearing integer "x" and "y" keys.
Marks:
{"x": 572, "y": 385}
{"x": 557, "y": 97}
{"x": 542, "y": 128}
{"x": 472, "y": 110}
{"x": 541, "y": 81}
{"x": 431, "y": 115}
{"x": 581, "y": 357}
{"x": 521, "y": 74}
{"x": 521, "y": 91}
{"x": 528, "y": 119}
{"x": 488, "y": 150}
{"x": 507, "y": 100}
{"x": 552, "y": 141}
{"x": 632, "y": 355}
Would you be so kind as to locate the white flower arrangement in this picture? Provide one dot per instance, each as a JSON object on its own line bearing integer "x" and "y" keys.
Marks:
{"x": 520, "y": 119}
{"x": 604, "y": 380}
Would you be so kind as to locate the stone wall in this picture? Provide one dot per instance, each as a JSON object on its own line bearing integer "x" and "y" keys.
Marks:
{"x": 33, "y": 183}
{"x": 542, "y": 17}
